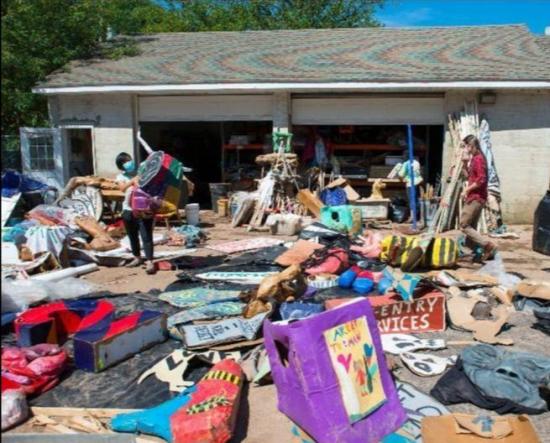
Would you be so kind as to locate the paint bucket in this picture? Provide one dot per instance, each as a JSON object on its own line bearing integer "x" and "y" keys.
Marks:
{"x": 192, "y": 214}
{"x": 217, "y": 191}
{"x": 223, "y": 204}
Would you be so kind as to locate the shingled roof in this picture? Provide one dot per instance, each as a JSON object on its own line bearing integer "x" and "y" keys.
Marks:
{"x": 479, "y": 53}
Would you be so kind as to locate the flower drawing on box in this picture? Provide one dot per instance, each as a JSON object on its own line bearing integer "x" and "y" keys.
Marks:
{"x": 370, "y": 365}
{"x": 355, "y": 362}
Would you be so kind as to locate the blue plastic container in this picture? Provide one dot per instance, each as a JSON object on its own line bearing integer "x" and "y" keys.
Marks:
{"x": 363, "y": 285}
{"x": 347, "y": 278}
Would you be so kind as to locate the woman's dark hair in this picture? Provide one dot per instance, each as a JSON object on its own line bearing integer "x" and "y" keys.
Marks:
{"x": 122, "y": 158}
{"x": 472, "y": 140}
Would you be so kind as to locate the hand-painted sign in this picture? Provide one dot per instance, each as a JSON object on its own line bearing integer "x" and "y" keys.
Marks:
{"x": 207, "y": 312}
{"x": 229, "y": 330}
{"x": 421, "y": 315}
{"x": 194, "y": 297}
{"x": 171, "y": 369}
{"x": 398, "y": 343}
{"x": 253, "y": 278}
{"x": 426, "y": 365}
{"x": 418, "y": 405}
{"x": 355, "y": 362}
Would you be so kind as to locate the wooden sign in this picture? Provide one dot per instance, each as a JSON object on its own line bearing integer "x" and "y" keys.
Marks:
{"x": 251, "y": 278}
{"x": 228, "y": 330}
{"x": 425, "y": 314}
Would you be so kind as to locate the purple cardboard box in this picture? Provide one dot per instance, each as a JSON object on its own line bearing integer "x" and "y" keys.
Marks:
{"x": 331, "y": 375}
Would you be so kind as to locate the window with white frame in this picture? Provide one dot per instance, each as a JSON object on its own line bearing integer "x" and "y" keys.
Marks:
{"x": 41, "y": 153}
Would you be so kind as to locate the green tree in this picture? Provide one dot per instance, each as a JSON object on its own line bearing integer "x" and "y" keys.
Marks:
{"x": 239, "y": 15}
{"x": 41, "y": 36}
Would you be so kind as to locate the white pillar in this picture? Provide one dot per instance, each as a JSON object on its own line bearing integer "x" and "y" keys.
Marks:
{"x": 281, "y": 111}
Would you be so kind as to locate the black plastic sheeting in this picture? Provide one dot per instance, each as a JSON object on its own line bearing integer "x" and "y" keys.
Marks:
{"x": 117, "y": 387}
{"x": 541, "y": 227}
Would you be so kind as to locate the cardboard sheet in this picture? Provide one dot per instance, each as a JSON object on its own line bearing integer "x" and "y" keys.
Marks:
{"x": 532, "y": 289}
{"x": 298, "y": 253}
{"x": 460, "y": 312}
{"x": 462, "y": 428}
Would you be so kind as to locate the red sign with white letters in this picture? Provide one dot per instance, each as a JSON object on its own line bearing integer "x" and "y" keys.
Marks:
{"x": 426, "y": 314}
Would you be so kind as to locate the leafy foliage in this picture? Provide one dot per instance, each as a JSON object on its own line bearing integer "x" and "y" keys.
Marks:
{"x": 41, "y": 36}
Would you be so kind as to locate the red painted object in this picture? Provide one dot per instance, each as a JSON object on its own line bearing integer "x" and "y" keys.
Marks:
{"x": 336, "y": 261}
{"x": 55, "y": 322}
{"x": 165, "y": 266}
{"x": 210, "y": 415}
{"x": 424, "y": 314}
{"x": 100, "y": 340}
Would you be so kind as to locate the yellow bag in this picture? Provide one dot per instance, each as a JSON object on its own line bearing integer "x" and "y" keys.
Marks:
{"x": 442, "y": 252}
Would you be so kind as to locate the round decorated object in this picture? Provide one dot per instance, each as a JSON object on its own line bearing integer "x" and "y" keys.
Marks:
{"x": 78, "y": 206}
{"x": 91, "y": 195}
{"x": 150, "y": 168}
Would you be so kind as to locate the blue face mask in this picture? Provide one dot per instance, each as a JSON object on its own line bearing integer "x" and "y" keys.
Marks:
{"x": 129, "y": 166}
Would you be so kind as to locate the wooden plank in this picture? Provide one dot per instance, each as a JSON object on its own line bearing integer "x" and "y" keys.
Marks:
{"x": 78, "y": 412}
{"x": 310, "y": 201}
{"x": 61, "y": 429}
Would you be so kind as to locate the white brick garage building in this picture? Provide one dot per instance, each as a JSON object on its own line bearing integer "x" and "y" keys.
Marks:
{"x": 370, "y": 78}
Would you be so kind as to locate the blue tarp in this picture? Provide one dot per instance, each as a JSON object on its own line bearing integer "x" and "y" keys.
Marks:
{"x": 13, "y": 182}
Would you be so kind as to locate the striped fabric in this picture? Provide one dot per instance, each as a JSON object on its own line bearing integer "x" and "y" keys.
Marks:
{"x": 441, "y": 253}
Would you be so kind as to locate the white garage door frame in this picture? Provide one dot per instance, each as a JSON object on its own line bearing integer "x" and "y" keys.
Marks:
{"x": 368, "y": 111}
{"x": 181, "y": 108}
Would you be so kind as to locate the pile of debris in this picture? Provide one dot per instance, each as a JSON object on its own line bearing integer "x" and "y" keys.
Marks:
{"x": 330, "y": 319}
{"x": 334, "y": 318}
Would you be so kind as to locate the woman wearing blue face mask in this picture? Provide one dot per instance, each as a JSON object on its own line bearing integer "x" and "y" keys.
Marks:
{"x": 135, "y": 227}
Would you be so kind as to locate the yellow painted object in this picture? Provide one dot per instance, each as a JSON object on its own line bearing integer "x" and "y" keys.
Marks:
{"x": 442, "y": 252}
{"x": 223, "y": 207}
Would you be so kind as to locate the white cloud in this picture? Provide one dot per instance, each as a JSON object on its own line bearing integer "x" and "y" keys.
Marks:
{"x": 415, "y": 17}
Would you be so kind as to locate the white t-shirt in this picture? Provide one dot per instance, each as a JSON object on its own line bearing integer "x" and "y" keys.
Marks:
{"x": 123, "y": 178}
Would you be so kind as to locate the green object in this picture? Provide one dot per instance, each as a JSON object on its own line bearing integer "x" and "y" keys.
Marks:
{"x": 339, "y": 218}
{"x": 284, "y": 139}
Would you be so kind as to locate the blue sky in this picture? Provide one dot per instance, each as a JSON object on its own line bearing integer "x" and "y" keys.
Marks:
{"x": 534, "y": 13}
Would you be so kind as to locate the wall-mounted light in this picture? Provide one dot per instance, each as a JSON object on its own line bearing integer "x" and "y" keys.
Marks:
{"x": 487, "y": 98}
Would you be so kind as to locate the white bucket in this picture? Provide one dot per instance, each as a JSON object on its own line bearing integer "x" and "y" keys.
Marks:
{"x": 192, "y": 214}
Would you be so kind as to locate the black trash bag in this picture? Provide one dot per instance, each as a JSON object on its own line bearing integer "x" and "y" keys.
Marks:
{"x": 399, "y": 210}
{"x": 322, "y": 233}
{"x": 541, "y": 226}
